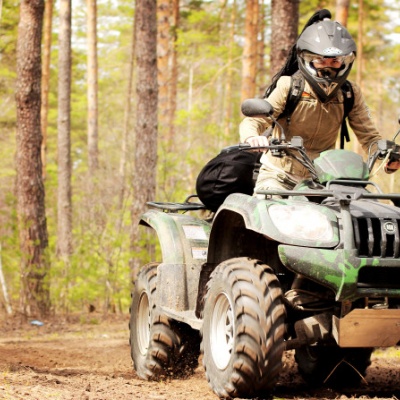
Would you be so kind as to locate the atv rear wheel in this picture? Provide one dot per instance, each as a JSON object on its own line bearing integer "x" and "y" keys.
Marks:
{"x": 243, "y": 329}
{"x": 334, "y": 366}
{"x": 159, "y": 347}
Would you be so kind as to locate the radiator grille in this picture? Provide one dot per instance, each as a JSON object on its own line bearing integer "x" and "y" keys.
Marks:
{"x": 377, "y": 237}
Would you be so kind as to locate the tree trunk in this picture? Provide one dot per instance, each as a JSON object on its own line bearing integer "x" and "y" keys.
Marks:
{"x": 127, "y": 117}
{"x": 48, "y": 19}
{"x": 342, "y": 11}
{"x": 229, "y": 74}
{"x": 64, "y": 212}
{"x": 284, "y": 27}
{"x": 164, "y": 39}
{"x": 34, "y": 298}
{"x": 249, "y": 61}
{"x": 144, "y": 179}
{"x": 174, "y": 71}
{"x": 92, "y": 91}
{"x": 262, "y": 81}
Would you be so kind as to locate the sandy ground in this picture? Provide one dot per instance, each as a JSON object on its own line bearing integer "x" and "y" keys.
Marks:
{"x": 69, "y": 360}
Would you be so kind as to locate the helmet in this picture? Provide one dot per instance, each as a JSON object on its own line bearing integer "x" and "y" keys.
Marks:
{"x": 325, "y": 54}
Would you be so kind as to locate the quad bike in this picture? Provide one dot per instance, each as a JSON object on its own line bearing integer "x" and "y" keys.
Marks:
{"x": 315, "y": 270}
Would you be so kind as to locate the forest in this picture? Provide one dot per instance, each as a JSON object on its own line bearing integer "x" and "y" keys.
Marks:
{"x": 96, "y": 162}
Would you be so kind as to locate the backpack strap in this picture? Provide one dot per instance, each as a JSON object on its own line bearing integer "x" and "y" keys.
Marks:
{"x": 348, "y": 103}
{"x": 295, "y": 91}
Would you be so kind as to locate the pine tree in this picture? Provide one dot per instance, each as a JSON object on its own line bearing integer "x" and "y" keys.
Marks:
{"x": 35, "y": 295}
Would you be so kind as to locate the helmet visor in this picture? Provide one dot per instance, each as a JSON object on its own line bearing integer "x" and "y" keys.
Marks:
{"x": 318, "y": 61}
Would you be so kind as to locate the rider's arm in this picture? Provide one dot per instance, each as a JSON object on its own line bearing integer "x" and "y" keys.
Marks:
{"x": 364, "y": 128}
{"x": 361, "y": 122}
{"x": 252, "y": 129}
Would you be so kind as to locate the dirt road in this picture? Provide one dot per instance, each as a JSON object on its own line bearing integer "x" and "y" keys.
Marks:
{"x": 68, "y": 360}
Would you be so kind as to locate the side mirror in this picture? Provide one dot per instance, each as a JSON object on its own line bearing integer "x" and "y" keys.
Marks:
{"x": 257, "y": 108}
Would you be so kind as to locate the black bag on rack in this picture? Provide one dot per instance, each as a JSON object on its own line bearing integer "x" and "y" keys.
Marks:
{"x": 231, "y": 171}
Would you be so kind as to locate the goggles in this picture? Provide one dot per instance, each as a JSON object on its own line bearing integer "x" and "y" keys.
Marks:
{"x": 321, "y": 61}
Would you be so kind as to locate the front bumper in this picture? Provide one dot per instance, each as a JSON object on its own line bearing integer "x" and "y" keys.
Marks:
{"x": 350, "y": 277}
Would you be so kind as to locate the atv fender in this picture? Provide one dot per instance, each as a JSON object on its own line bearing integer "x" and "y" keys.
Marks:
{"x": 183, "y": 240}
{"x": 241, "y": 228}
{"x": 244, "y": 221}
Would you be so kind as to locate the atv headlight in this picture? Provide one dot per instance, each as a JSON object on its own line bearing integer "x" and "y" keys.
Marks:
{"x": 301, "y": 222}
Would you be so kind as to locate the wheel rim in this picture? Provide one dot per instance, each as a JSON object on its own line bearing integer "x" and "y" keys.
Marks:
{"x": 143, "y": 323}
{"x": 222, "y": 331}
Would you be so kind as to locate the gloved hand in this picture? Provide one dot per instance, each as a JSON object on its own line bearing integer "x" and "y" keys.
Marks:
{"x": 255, "y": 141}
{"x": 392, "y": 166}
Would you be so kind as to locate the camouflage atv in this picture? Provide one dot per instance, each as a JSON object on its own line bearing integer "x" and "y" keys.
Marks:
{"x": 316, "y": 270}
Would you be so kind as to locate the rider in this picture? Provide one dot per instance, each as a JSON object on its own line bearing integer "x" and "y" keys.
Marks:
{"x": 325, "y": 55}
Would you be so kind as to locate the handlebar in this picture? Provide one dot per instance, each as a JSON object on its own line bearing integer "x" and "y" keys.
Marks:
{"x": 386, "y": 149}
{"x": 278, "y": 148}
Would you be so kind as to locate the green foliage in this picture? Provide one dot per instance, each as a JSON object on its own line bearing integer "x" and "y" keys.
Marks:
{"x": 8, "y": 45}
{"x": 98, "y": 271}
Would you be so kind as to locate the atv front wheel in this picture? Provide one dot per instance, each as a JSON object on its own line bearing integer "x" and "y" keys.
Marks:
{"x": 334, "y": 366}
{"x": 159, "y": 347}
{"x": 243, "y": 329}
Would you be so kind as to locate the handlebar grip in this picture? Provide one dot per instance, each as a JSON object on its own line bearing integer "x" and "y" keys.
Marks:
{"x": 235, "y": 147}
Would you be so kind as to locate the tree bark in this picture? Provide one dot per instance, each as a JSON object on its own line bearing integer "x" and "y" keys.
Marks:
{"x": 144, "y": 179}
{"x": 47, "y": 30}
{"x": 249, "y": 61}
{"x": 174, "y": 72}
{"x": 342, "y": 11}
{"x": 261, "y": 83}
{"x": 127, "y": 118}
{"x": 34, "y": 296}
{"x": 164, "y": 13}
{"x": 229, "y": 74}
{"x": 284, "y": 31}
{"x": 64, "y": 211}
{"x": 92, "y": 91}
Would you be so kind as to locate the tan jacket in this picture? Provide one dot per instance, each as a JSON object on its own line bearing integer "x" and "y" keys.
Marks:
{"x": 317, "y": 123}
